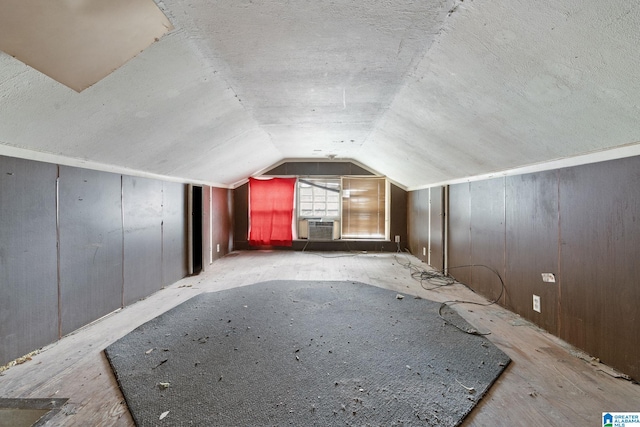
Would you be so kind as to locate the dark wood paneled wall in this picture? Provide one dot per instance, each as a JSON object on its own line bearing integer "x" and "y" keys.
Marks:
{"x": 487, "y": 237}
{"x": 142, "y": 213}
{"x": 222, "y": 218}
{"x": 418, "y": 223}
{"x": 426, "y": 216}
{"x": 241, "y": 217}
{"x": 174, "y": 232}
{"x": 436, "y": 233}
{"x": 579, "y": 223}
{"x": 459, "y": 245}
{"x": 532, "y": 246}
{"x": 90, "y": 245}
{"x": 398, "y": 216}
{"x": 599, "y": 268}
{"x": 216, "y": 224}
{"x": 65, "y": 257}
{"x": 28, "y": 258}
{"x": 318, "y": 168}
{"x": 208, "y": 245}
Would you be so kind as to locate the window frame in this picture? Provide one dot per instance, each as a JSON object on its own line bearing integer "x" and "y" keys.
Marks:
{"x": 316, "y": 188}
{"x": 299, "y": 217}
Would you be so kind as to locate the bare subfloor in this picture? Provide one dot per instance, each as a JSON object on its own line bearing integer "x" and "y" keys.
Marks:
{"x": 546, "y": 384}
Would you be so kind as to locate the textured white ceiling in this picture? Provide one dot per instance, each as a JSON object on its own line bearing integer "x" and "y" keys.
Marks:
{"x": 423, "y": 92}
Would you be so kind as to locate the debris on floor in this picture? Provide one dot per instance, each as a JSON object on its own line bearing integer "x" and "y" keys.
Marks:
{"x": 469, "y": 389}
{"x": 20, "y": 360}
{"x": 161, "y": 362}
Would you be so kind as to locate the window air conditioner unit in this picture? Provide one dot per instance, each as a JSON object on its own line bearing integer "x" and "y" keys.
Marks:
{"x": 320, "y": 230}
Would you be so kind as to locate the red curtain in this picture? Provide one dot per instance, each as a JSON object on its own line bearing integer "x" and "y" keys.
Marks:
{"x": 271, "y": 211}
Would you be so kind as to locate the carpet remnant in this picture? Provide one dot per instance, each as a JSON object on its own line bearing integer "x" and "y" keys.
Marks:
{"x": 29, "y": 412}
{"x": 303, "y": 353}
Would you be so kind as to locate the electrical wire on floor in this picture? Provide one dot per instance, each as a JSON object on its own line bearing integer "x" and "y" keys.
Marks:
{"x": 437, "y": 279}
{"x": 350, "y": 254}
{"x": 485, "y": 304}
{"x": 441, "y": 278}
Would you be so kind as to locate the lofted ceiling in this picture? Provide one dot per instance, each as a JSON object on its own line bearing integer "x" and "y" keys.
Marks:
{"x": 423, "y": 92}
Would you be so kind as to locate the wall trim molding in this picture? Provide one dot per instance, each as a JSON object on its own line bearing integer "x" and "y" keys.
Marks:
{"x": 40, "y": 156}
{"x": 629, "y": 150}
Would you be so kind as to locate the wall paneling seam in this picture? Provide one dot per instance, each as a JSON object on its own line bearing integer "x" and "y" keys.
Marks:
{"x": 429, "y": 236}
{"x": 504, "y": 236}
{"x": 559, "y": 260}
{"x": 58, "y": 276}
{"x": 123, "y": 236}
{"x": 162, "y": 213}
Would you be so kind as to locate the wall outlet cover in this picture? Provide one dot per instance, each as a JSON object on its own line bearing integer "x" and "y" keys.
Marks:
{"x": 548, "y": 277}
{"x": 424, "y": 251}
{"x": 536, "y": 303}
{"x": 218, "y": 247}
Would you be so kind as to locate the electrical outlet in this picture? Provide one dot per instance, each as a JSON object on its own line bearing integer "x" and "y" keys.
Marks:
{"x": 548, "y": 277}
{"x": 218, "y": 247}
{"x": 424, "y": 251}
{"x": 397, "y": 239}
{"x": 536, "y": 303}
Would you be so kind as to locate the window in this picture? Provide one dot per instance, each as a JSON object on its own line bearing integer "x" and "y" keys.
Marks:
{"x": 364, "y": 208}
{"x": 319, "y": 198}
{"x": 357, "y": 206}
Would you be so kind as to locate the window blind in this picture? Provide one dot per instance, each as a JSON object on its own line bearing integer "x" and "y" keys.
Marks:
{"x": 363, "y": 208}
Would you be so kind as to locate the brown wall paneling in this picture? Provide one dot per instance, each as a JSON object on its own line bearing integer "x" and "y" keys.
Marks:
{"x": 459, "y": 233}
{"x": 241, "y": 217}
{"x": 308, "y": 168}
{"x": 398, "y": 216}
{"x": 357, "y": 170}
{"x": 436, "y": 206}
{"x": 28, "y": 259}
{"x": 487, "y": 235}
{"x": 418, "y": 222}
{"x": 278, "y": 170}
{"x": 142, "y": 212}
{"x": 532, "y": 246}
{"x": 221, "y": 220}
{"x": 318, "y": 168}
{"x": 208, "y": 247}
{"x": 174, "y": 232}
{"x": 600, "y": 292}
{"x": 90, "y": 246}
{"x": 230, "y": 216}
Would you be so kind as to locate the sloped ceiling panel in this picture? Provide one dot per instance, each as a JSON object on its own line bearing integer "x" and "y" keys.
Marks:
{"x": 166, "y": 112}
{"x": 507, "y": 84}
{"x": 316, "y": 75}
{"x": 424, "y": 92}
